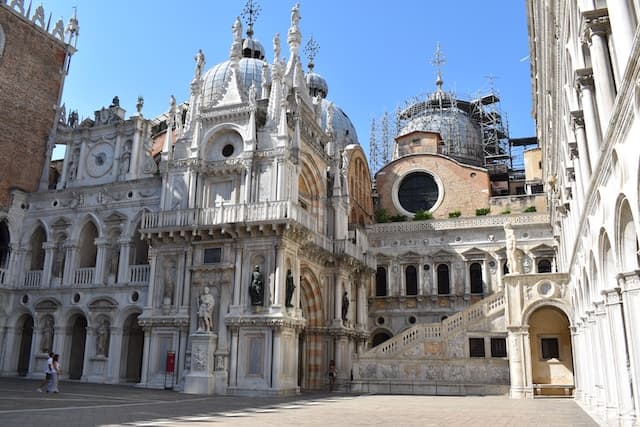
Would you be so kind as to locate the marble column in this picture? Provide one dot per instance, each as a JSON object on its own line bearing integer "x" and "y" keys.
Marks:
{"x": 146, "y": 355}
{"x": 518, "y": 362}
{"x": 596, "y": 29}
{"x": 123, "y": 261}
{"x": 630, "y": 287}
{"x": 623, "y": 27}
{"x": 584, "y": 83}
{"x": 112, "y": 374}
{"x": 49, "y": 252}
{"x": 599, "y": 382}
{"x": 606, "y": 359}
{"x": 577, "y": 123}
{"x": 71, "y": 251}
{"x": 618, "y": 351}
{"x": 101, "y": 260}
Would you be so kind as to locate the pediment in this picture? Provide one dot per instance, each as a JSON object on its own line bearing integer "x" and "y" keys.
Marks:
{"x": 543, "y": 250}
{"x": 48, "y": 304}
{"x": 61, "y": 223}
{"x": 410, "y": 255}
{"x": 116, "y": 217}
{"x": 474, "y": 254}
{"x": 103, "y": 304}
{"x": 443, "y": 255}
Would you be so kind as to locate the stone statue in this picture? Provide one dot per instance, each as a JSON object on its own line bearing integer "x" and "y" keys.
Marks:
{"x": 256, "y": 287}
{"x": 114, "y": 258}
{"x": 252, "y": 94}
{"x": 512, "y": 250}
{"x": 237, "y": 31}
{"x": 205, "y": 311}
{"x": 115, "y": 102}
{"x": 169, "y": 281}
{"x": 72, "y": 121}
{"x": 276, "y": 47}
{"x": 295, "y": 15}
{"x": 345, "y": 306}
{"x": 290, "y": 288}
{"x": 199, "y": 63}
{"x": 47, "y": 336}
{"x": 139, "y": 105}
{"x": 102, "y": 338}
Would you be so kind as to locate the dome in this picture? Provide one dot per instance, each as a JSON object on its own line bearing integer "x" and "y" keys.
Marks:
{"x": 343, "y": 129}
{"x": 213, "y": 81}
{"x": 460, "y": 134}
{"x": 252, "y": 48}
{"x": 317, "y": 85}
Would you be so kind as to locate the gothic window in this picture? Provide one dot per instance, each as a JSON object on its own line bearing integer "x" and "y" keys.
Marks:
{"x": 476, "y": 347}
{"x": 544, "y": 266}
{"x": 5, "y": 241}
{"x": 37, "y": 251}
{"x": 505, "y": 268}
{"x": 418, "y": 191}
{"x": 475, "y": 275}
{"x": 443, "y": 279}
{"x": 411, "y": 280}
{"x": 381, "y": 282}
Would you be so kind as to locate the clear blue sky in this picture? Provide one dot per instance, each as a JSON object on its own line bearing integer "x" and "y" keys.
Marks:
{"x": 374, "y": 55}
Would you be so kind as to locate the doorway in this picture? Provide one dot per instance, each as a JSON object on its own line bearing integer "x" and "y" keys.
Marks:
{"x": 78, "y": 341}
{"x": 25, "y": 328}
{"x": 132, "y": 348}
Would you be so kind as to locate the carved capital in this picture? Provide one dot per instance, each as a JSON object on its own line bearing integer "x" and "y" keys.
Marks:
{"x": 595, "y": 23}
{"x": 584, "y": 79}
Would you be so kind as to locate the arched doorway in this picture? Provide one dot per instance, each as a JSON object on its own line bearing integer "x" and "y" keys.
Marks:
{"x": 132, "y": 347}
{"x": 551, "y": 353}
{"x": 313, "y": 349}
{"x": 25, "y": 330}
{"x": 78, "y": 341}
{"x": 379, "y": 338}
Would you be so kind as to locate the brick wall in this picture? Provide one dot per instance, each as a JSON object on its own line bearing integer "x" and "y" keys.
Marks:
{"x": 30, "y": 79}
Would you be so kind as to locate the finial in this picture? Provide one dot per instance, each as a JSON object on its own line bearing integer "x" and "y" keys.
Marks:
{"x": 276, "y": 47}
{"x": 73, "y": 29}
{"x": 311, "y": 49}
{"x": 236, "y": 47}
{"x": 437, "y": 60}
{"x": 249, "y": 14}
{"x": 200, "y": 61}
{"x": 293, "y": 36}
{"x": 139, "y": 105}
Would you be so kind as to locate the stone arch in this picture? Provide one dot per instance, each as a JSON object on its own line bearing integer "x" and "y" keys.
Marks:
{"x": 311, "y": 189}
{"x": 76, "y": 342}
{"x": 212, "y": 134}
{"x": 36, "y": 252}
{"x": 555, "y": 303}
{"x": 88, "y": 232}
{"x": 626, "y": 237}
{"x": 606, "y": 262}
{"x": 88, "y": 218}
{"x": 24, "y": 341}
{"x": 380, "y": 335}
{"x": 593, "y": 277}
{"x": 312, "y": 346}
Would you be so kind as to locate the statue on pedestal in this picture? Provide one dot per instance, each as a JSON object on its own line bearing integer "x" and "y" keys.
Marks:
{"x": 256, "y": 287}
{"x": 102, "y": 338}
{"x": 513, "y": 259}
{"x": 205, "y": 311}
{"x": 345, "y": 306}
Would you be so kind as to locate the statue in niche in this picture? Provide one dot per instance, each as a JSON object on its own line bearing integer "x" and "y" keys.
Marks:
{"x": 256, "y": 287}
{"x": 114, "y": 258}
{"x": 512, "y": 249}
{"x": 125, "y": 161}
{"x": 47, "y": 336}
{"x": 205, "y": 311}
{"x": 169, "y": 281}
{"x": 103, "y": 333}
{"x": 73, "y": 165}
{"x": 345, "y": 306}
{"x": 199, "y": 64}
{"x": 289, "y": 290}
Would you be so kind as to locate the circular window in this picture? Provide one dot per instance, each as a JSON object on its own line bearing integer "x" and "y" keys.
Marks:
{"x": 130, "y": 194}
{"x": 135, "y": 296}
{"x": 227, "y": 150}
{"x": 426, "y": 267}
{"x": 418, "y": 191}
{"x": 76, "y": 298}
{"x": 25, "y": 299}
{"x": 380, "y": 320}
{"x": 412, "y": 319}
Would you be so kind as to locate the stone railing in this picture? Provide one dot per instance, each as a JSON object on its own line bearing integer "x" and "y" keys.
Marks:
{"x": 33, "y": 279}
{"x": 228, "y": 214}
{"x": 459, "y": 223}
{"x": 428, "y": 331}
{"x": 4, "y": 276}
{"x": 139, "y": 273}
{"x": 83, "y": 276}
{"x": 346, "y": 247}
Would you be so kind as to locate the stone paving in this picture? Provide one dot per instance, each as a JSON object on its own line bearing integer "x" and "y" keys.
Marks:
{"x": 81, "y": 404}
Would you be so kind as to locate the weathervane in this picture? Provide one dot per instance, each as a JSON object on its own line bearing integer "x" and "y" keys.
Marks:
{"x": 250, "y": 14}
{"x": 437, "y": 60}
{"x": 311, "y": 49}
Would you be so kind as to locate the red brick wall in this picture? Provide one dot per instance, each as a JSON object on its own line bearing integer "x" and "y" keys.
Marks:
{"x": 30, "y": 79}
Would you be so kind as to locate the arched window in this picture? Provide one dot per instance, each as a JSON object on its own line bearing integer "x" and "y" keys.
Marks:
{"x": 443, "y": 279}
{"x": 381, "y": 282}
{"x": 475, "y": 276}
{"x": 505, "y": 268}
{"x": 411, "y": 280}
{"x": 544, "y": 266}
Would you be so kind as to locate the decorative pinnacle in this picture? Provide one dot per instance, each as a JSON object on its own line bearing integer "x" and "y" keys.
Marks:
{"x": 249, "y": 14}
{"x": 437, "y": 60}
{"x": 311, "y": 49}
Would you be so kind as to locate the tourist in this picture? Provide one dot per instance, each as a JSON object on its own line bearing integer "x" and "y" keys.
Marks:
{"x": 55, "y": 374}
{"x": 47, "y": 374}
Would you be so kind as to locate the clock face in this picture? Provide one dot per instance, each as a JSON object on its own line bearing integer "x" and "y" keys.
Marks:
{"x": 100, "y": 159}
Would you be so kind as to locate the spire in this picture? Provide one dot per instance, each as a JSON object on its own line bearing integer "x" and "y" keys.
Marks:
{"x": 438, "y": 60}
{"x": 73, "y": 28}
{"x": 236, "y": 46}
{"x": 294, "y": 37}
{"x": 311, "y": 49}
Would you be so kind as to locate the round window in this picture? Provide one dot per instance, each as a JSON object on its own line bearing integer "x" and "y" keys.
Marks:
{"x": 418, "y": 191}
{"x": 76, "y": 298}
{"x": 227, "y": 150}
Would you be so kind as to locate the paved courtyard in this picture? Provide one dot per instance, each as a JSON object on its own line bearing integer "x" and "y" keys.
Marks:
{"x": 81, "y": 404}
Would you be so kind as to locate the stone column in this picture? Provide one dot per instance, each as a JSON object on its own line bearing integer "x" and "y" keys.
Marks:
{"x": 69, "y": 267}
{"x": 598, "y": 395}
{"x": 518, "y": 362}
{"x": 112, "y": 374}
{"x": 361, "y": 314}
{"x": 101, "y": 260}
{"x": 596, "y": 29}
{"x": 606, "y": 359}
{"x": 619, "y": 353}
{"x": 584, "y": 83}
{"x": 630, "y": 287}
{"x": 153, "y": 254}
{"x": 576, "y": 349}
{"x": 337, "y": 302}
{"x": 577, "y": 123}
{"x": 623, "y": 28}
{"x": 146, "y": 354}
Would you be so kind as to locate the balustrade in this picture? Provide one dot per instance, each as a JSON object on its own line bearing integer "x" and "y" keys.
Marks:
{"x": 33, "y": 279}
{"x": 84, "y": 276}
{"x": 139, "y": 273}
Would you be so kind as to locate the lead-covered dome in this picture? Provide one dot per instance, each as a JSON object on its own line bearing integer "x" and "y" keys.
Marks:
{"x": 215, "y": 80}
{"x": 343, "y": 130}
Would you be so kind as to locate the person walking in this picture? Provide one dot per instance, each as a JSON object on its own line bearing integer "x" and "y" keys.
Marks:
{"x": 55, "y": 374}
{"x": 47, "y": 374}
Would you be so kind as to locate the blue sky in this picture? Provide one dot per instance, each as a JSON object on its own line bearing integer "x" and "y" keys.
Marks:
{"x": 374, "y": 55}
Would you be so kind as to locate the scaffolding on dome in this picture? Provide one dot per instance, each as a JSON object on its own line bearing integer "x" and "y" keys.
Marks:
{"x": 484, "y": 111}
